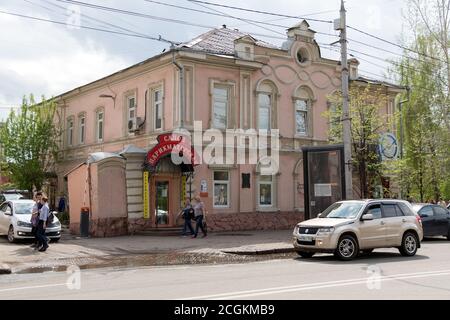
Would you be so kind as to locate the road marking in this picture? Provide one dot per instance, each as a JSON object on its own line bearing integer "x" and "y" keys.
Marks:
{"x": 35, "y": 287}
{"x": 317, "y": 285}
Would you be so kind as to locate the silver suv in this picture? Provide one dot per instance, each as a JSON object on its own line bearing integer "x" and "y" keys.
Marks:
{"x": 348, "y": 227}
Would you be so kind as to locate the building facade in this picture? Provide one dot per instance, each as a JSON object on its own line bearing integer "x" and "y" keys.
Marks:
{"x": 228, "y": 80}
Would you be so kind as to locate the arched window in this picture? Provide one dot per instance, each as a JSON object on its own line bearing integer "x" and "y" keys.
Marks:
{"x": 303, "y": 99}
{"x": 267, "y": 94}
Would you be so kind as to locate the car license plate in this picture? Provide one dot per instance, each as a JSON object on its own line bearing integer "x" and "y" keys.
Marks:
{"x": 306, "y": 238}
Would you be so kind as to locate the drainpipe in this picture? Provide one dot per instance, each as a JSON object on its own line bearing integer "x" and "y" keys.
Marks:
{"x": 182, "y": 89}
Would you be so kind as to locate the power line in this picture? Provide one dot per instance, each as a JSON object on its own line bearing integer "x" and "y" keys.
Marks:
{"x": 82, "y": 14}
{"x": 260, "y": 12}
{"x": 240, "y": 19}
{"x": 143, "y": 15}
{"x": 397, "y": 45}
{"x": 89, "y": 28}
{"x": 325, "y": 21}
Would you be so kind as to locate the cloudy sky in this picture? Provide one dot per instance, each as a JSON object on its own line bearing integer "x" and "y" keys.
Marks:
{"x": 48, "y": 59}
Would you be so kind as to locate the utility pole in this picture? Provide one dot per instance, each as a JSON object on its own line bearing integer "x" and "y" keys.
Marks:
{"x": 341, "y": 24}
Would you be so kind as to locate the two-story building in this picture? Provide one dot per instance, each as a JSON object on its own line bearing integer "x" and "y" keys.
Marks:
{"x": 228, "y": 80}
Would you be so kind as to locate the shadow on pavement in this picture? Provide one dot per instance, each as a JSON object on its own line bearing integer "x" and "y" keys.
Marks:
{"x": 373, "y": 258}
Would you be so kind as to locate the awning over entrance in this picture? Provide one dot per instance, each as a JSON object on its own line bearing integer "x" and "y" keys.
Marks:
{"x": 178, "y": 145}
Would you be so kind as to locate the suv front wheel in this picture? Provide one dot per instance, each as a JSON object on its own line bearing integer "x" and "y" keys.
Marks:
{"x": 347, "y": 248}
{"x": 409, "y": 245}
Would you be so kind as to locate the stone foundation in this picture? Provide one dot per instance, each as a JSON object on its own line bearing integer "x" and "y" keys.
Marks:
{"x": 141, "y": 224}
{"x": 105, "y": 227}
{"x": 254, "y": 221}
{"x": 111, "y": 227}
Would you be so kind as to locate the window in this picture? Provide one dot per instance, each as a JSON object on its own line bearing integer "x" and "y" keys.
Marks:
{"x": 81, "y": 128}
{"x": 391, "y": 211}
{"x": 303, "y": 98}
{"x": 375, "y": 211}
{"x": 302, "y": 55}
{"x": 70, "y": 132}
{"x": 220, "y": 107}
{"x": 157, "y": 107}
{"x": 100, "y": 126}
{"x": 248, "y": 52}
{"x": 265, "y": 191}
{"x": 265, "y": 106}
{"x": 406, "y": 210}
{"x": 301, "y": 116}
{"x": 131, "y": 105}
{"x": 221, "y": 188}
{"x": 426, "y": 211}
{"x": 439, "y": 211}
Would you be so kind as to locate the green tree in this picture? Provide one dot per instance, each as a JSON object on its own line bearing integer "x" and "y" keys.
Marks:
{"x": 425, "y": 169}
{"x": 367, "y": 123}
{"x": 30, "y": 141}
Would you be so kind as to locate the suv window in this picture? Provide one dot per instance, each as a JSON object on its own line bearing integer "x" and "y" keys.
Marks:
{"x": 428, "y": 210}
{"x": 405, "y": 209}
{"x": 439, "y": 211}
{"x": 375, "y": 210}
{"x": 389, "y": 211}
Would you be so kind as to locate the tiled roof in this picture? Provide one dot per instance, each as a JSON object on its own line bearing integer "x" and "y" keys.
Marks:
{"x": 220, "y": 41}
{"x": 379, "y": 82}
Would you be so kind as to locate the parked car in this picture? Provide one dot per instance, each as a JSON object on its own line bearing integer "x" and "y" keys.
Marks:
{"x": 11, "y": 195}
{"x": 347, "y": 228}
{"x": 435, "y": 219}
{"x": 15, "y": 216}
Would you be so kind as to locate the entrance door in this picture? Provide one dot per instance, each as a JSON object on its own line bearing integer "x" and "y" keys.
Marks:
{"x": 162, "y": 204}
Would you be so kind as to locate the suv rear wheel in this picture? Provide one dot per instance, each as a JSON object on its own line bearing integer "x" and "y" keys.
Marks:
{"x": 305, "y": 254}
{"x": 409, "y": 245}
{"x": 347, "y": 248}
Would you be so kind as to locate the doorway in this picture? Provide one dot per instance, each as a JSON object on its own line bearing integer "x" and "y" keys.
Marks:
{"x": 162, "y": 203}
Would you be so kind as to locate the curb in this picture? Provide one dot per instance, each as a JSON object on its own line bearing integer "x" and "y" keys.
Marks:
{"x": 261, "y": 252}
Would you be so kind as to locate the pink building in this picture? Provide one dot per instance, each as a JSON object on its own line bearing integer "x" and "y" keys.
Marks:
{"x": 231, "y": 81}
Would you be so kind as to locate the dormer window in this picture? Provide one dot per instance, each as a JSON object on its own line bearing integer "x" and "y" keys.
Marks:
{"x": 302, "y": 56}
{"x": 248, "y": 53}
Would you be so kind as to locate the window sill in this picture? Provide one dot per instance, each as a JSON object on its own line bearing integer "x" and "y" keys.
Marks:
{"x": 267, "y": 210}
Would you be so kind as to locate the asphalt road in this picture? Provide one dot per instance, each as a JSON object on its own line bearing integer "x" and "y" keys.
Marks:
{"x": 382, "y": 275}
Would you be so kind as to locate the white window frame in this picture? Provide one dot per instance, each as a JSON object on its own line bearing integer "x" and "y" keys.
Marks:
{"x": 227, "y": 105}
{"x": 272, "y": 190}
{"x": 158, "y": 104}
{"x": 134, "y": 108}
{"x": 306, "y": 112}
{"x": 97, "y": 128}
{"x": 227, "y": 182}
{"x": 70, "y": 131}
{"x": 270, "y": 95}
{"x": 82, "y": 129}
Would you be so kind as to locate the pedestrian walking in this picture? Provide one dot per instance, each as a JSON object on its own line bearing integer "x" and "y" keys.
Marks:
{"x": 187, "y": 214}
{"x": 42, "y": 224}
{"x": 199, "y": 212}
{"x": 35, "y": 218}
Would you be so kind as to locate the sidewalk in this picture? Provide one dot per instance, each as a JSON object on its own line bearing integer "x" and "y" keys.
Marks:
{"x": 144, "y": 250}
